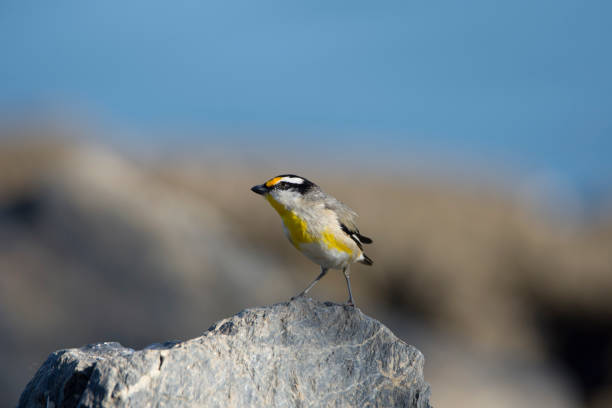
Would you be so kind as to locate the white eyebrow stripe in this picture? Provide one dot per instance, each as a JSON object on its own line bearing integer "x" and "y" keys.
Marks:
{"x": 292, "y": 180}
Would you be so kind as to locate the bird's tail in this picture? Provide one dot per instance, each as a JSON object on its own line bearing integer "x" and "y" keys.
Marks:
{"x": 364, "y": 259}
{"x": 364, "y": 239}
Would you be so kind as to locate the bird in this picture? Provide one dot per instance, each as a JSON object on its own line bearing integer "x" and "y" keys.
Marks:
{"x": 317, "y": 224}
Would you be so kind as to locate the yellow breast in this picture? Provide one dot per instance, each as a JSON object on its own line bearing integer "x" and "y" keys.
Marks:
{"x": 297, "y": 229}
{"x": 298, "y": 233}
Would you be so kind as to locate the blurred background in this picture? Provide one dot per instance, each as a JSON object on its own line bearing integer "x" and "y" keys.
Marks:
{"x": 473, "y": 138}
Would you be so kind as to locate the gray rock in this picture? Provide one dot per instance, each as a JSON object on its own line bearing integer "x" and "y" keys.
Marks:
{"x": 303, "y": 353}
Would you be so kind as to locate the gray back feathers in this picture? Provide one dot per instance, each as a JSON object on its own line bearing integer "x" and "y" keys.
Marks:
{"x": 346, "y": 215}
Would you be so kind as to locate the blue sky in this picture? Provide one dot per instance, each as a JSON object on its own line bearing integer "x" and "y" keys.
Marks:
{"x": 523, "y": 83}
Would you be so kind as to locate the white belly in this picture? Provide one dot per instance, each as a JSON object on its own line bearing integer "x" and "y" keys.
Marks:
{"x": 325, "y": 246}
{"x": 327, "y": 257}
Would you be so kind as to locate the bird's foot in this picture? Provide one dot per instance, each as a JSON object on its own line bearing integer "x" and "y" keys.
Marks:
{"x": 349, "y": 303}
{"x": 300, "y": 295}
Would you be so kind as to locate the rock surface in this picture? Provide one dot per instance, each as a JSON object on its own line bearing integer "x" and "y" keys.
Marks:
{"x": 303, "y": 353}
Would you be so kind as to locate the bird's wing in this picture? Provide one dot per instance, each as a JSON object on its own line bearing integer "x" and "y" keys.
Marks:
{"x": 345, "y": 215}
{"x": 347, "y": 219}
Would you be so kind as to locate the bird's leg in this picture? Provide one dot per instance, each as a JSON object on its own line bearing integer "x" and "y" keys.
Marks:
{"x": 305, "y": 291}
{"x": 348, "y": 285}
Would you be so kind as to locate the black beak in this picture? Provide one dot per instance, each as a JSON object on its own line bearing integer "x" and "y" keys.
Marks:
{"x": 259, "y": 189}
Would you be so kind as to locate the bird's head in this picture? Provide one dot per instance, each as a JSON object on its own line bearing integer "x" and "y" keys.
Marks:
{"x": 284, "y": 188}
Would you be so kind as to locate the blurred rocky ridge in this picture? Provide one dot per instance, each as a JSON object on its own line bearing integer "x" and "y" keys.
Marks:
{"x": 469, "y": 275}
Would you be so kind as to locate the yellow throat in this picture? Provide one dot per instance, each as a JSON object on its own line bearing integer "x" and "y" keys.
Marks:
{"x": 298, "y": 229}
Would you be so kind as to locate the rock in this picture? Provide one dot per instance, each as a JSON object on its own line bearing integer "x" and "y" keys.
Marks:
{"x": 303, "y": 353}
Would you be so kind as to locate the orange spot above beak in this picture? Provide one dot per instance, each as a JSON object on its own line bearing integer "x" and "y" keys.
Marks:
{"x": 272, "y": 182}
